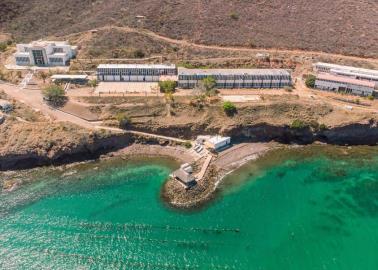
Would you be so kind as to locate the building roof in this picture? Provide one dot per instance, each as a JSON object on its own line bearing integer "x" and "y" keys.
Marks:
{"x": 26, "y": 54}
{"x": 69, "y": 76}
{"x": 137, "y": 66}
{"x": 5, "y": 103}
{"x": 43, "y": 43}
{"x": 183, "y": 176}
{"x": 214, "y": 72}
{"x": 57, "y": 54}
{"x": 341, "y": 79}
{"x": 353, "y": 73}
{"x": 218, "y": 139}
{"x": 349, "y": 68}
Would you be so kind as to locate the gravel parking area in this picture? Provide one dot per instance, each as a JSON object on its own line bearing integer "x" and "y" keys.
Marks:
{"x": 127, "y": 87}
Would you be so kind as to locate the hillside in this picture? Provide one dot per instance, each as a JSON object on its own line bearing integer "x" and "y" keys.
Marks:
{"x": 339, "y": 26}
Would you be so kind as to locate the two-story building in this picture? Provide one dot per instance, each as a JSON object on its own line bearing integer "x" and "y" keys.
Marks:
{"x": 44, "y": 53}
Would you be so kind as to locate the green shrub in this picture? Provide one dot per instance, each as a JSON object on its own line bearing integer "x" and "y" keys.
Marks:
{"x": 212, "y": 93}
{"x": 323, "y": 127}
{"x": 370, "y": 97}
{"x": 188, "y": 144}
{"x": 310, "y": 81}
{"x": 138, "y": 53}
{"x": 54, "y": 95}
{"x": 93, "y": 83}
{"x": 123, "y": 120}
{"x": 3, "y": 46}
{"x": 209, "y": 83}
{"x": 229, "y": 108}
{"x": 298, "y": 124}
{"x": 234, "y": 16}
{"x": 167, "y": 86}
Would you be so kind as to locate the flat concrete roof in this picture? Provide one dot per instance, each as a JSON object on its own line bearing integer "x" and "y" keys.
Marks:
{"x": 345, "y": 72}
{"x": 213, "y": 72}
{"x": 183, "y": 176}
{"x": 349, "y": 68}
{"x": 342, "y": 79}
{"x": 4, "y": 102}
{"x": 218, "y": 139}
{"x": 56, "y": 54}
{"x": 69, "y": 76}
{"x": 137, "y": 66}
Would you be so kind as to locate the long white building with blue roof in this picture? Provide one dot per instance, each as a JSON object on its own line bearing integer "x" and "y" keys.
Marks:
{"x": 134, "y": 72}
{"x": 235, "y": 78}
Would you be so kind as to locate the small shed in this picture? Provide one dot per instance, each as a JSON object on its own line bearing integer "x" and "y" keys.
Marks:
{"x": 70, "y": 78}
{"x": 5, "y": 106}
{"x": 217, "y": 143}
{"x": 184, "y": 177}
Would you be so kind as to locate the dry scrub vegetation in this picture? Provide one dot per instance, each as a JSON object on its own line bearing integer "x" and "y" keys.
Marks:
{"x": 26, "y": 131}
{"x": 340, "y": 26}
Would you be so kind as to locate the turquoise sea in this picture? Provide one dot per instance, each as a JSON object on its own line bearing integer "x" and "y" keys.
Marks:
{"x": 289, "y": 210}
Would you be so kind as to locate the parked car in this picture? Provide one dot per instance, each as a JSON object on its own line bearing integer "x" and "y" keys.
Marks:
{"x": 2, "y": 118}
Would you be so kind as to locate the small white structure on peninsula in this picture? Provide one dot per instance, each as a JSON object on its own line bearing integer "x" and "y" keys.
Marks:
{"x": 44, "y": 53}
{"x": 185, "y": 175}
{"x": 215, "y": 143}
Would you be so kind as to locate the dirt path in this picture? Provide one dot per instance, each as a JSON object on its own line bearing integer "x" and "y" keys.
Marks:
{"x": 34, "y": 99}
{"x": 227, "y": 48}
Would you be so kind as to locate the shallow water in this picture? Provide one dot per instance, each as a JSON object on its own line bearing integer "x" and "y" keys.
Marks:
{"x": 299, "y": 212}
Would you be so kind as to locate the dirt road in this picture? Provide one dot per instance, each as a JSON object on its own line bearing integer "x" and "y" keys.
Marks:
{"x": 33, "y": 98}
{"x": 227, "y": 48}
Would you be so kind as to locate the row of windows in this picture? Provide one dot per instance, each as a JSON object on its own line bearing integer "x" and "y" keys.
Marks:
{"x": 241, "y": 85}
{"x": 55, "y": 60}
{"x": 57, "y": 50}
{"x": 330, "y": 81}
{"x": 118, "y": 71}
{"x": 235, "y": 77}
{"x": 23, "y": 59}
{"x": 323, "y": 69}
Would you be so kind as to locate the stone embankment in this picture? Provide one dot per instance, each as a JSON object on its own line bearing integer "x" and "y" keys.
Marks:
{"x": 352, "y": 134}
{"x": 362, "y": 133}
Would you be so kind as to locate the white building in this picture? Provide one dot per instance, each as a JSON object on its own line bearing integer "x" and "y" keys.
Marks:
{"x": 5, "y": 106}
{"x": 347, "y": 71}
{"x": 335, "y": 83}
{"x": 217, "y": 143}
{"x": 45, "y": 53}
{"x": 235, "y": 78}
{"x": 134, "y": 72}
{"x": 70, "y": 78}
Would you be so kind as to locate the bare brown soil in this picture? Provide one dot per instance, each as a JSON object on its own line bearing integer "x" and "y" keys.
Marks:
{"x": 187, "y": 115}
{"x": 341, "y": 26}
{"x": 28, "y": 133}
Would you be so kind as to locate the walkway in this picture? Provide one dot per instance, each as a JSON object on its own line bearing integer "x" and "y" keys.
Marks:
{"x": 205, "y": 165}
{"x": 144, "y": 134}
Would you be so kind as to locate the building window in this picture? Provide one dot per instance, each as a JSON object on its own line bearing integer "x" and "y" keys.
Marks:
{"x": 23, "y": 59}
{"x": 38, "y": 57}
{"x": 58, "y": 50}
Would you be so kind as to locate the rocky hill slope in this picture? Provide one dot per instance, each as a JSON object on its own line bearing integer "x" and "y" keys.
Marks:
{"x": 339, "y": 26}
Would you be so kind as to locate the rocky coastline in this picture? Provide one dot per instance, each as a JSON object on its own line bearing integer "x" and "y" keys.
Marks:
{"x": 352, "y": 134}
{"x": 251, "y": 142}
